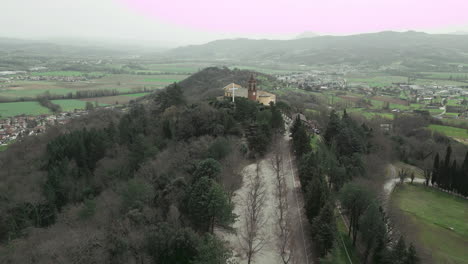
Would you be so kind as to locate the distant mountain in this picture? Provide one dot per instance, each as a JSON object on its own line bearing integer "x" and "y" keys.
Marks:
{"x": 376, "y": 49}
{"x": 307, "y": 34}
{"x": 460, "y": 32}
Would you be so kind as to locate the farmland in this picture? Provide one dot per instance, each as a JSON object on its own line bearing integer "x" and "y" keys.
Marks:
{"x": 18, "y": 108}
{"x": 454, "y": 132}
{"x": 439, "y": 221}
{"x": 70, "y": 105}
{"x": 123, "y": 83}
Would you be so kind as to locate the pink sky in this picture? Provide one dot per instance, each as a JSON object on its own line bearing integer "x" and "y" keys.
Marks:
{"x": 290, "y": 16}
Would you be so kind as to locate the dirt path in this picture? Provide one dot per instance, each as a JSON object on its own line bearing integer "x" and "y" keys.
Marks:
{"x": 392, "y": 181}
{"x": 269, "y": 254}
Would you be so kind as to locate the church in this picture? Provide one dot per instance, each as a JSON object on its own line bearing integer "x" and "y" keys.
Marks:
{"x": 235, "y": 90}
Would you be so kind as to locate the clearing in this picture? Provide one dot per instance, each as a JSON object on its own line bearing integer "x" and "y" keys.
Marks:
{"x": 437, "y": 221}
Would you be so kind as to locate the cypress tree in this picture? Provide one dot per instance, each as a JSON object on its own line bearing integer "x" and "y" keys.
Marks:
{"x": 411, "y": 257}
{"x": 435, "y": 170}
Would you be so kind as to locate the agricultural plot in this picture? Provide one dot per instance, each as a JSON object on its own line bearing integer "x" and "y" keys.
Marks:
{"x": 120, "y": 82}
{"x": 19, "y": 108}
{"x": 438, "y": 220}
{"x": 70, "y": 105}
{"x": 67, "y": 73}
{"x": 378, "y": 81}
{"x": 454, "y": 132}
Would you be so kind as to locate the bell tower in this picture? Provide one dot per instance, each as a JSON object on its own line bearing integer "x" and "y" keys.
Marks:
{"x": 252, "y": 88}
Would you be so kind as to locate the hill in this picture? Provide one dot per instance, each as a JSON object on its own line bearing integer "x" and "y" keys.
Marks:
{"x": 208, "y": 83}
{"x": 376, "y": 48}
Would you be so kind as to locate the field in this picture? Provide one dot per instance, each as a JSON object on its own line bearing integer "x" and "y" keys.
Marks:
{"x": 66, "y": 73}
{"x": 439, "y": 220}
{"x": 453, "y": 132}
{"x": 119, "y": 82}
{"x": 111, "y": 100}
{"x": 18, "y": 108}
{"x": 3, "y": 148}
{"x": 70, "y": 105}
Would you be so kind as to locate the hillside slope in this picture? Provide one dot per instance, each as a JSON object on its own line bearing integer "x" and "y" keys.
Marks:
{"x": 375, "y": 48}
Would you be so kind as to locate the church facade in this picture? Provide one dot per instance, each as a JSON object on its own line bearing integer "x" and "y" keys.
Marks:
{"x": 251, "y": 92}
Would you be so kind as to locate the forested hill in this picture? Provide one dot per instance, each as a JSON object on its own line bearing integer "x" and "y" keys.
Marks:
{"x": 208, "y": 83}
{"x": 143, "y": 186}
{"x": 377, "y": 48}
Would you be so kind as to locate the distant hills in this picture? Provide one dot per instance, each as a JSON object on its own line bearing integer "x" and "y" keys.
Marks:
{"x": 376, "y": 49}
{"x": 307, "y": 34}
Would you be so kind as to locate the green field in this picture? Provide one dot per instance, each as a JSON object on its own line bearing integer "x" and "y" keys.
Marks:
{"x": 378, "y": 81}
{"x": 137, "y": 94}
{"x": 70, "y": 105}
{"x": 18, "y": 108}
{"x": 3, "y": 148}
{"x": 440, "y": 220}
{"x": 162, "y": 80}
{"x": 66, "y": 73}
{"x": 449, "y": 131}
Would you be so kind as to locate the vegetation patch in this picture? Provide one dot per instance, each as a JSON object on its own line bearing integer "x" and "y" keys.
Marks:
{"x": 19, "y": 108}
{"x": 449, "y": 131}
{"x": 440, "y": 219}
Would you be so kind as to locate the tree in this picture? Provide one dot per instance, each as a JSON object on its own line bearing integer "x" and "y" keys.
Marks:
{"x": 372, "y": 228}
{"x": 89, "y": 106}
{"x": 283, "y": 223}
{"x": 399, "y": 252}
{"x": 412, "y": 177}
{"x": 411, "y": 257}
{"x": 167, "y": 245}
{"x": 301, "y": 142}
{"x": 207, "y": 205}
{"x": 354, "y": 199}
{"x": 277, "y": 123}
{"x": 435, "y": 170}
{"x": 207, "y": 168}
{"x": 251, "y": 234}
{"x": 402, "y": 175}
{"x": 212, "y": 250}
{"x": 333, "y": 127}
{"x": 324, "y": 229}
{"x": 316, "y": 196}
{"x": 427, "y": 176}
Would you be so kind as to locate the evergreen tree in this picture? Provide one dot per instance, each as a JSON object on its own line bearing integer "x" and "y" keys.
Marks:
{"x": 324, "y": 229}
{"x": 301, "y": 142}
{"x": 399, "y": 252}
{"x": 277, "y": 123}
{"x": 207, "y": 204}
{"x": 435, "y": 170}
{"x": 464, "y": 176}
{"x": 316, "y": 196}
{"x": 295, "y": 126}
{"x": 411, "y": 257}
{"x": 333, "y": 127}
{"x": 372, "y": 228}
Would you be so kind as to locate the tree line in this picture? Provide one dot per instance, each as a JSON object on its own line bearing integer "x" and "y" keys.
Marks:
{"x": 328, "y": 174}
{"x": 449, "y": 175}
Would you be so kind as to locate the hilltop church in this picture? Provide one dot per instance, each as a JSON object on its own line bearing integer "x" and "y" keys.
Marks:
{"x": 235, "y": 90}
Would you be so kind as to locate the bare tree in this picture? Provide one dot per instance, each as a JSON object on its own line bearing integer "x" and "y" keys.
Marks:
{"x": 284, "y": 232}
{"x": 403, "y": 174}
{"x": 427, "y": 176}
{"x": 251, "y": 236}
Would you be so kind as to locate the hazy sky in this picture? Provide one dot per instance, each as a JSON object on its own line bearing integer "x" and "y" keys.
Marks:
{"x": 180, "y": 22}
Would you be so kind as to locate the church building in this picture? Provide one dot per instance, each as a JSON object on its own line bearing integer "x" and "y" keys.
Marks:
{"x": 251, "y": 92}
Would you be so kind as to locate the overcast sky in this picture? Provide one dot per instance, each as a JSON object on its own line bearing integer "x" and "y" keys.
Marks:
{"x": 116, "y": 20}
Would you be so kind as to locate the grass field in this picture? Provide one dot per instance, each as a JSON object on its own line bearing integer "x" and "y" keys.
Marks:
{"x": 379, "y": 81}
{"x": 70, "y": 105}
{"x": 440, "y": 220}
{"x": 18, "y": 108}
{"x": 119, "y": 82}
{"x": 449, "y": 131}
{"x": 66, "y": 73}
{"x": 3, "y": 147}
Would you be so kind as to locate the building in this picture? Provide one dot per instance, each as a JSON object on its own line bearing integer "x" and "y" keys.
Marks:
{"x": 233, "y": 90}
